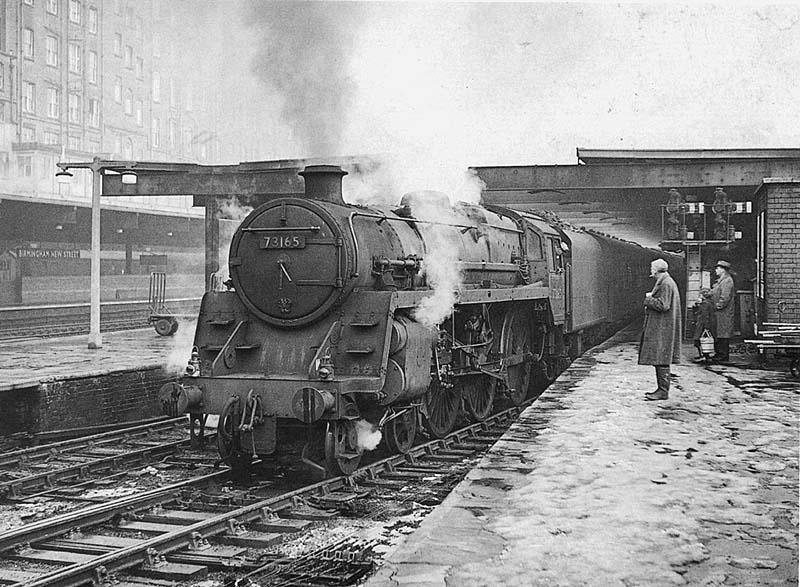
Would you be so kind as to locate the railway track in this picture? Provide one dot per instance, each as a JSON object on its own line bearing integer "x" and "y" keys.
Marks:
{"x": 66, "y": 470}
{"x": 67, "y": 319}
{"x": 205, "y": 525}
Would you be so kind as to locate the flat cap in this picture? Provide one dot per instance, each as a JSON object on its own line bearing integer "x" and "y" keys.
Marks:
{"x": 723, "y": 264}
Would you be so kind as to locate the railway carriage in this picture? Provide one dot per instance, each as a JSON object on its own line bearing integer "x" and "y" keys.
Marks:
{"x": 323, "y": 328}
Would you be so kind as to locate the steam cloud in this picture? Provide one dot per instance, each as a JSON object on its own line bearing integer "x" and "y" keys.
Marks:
{"x": 367, "y": 436}
{"x": 180, "y": 349}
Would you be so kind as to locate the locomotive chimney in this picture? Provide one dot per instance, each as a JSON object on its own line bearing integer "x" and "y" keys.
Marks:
{"x": 324, "y": 183}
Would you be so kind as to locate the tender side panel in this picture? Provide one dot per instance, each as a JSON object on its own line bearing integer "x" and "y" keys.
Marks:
{"x": 589, "y": 283}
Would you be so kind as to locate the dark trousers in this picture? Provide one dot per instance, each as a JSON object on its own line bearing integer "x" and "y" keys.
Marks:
{"x": 722, "y": 348}
{"x": 662, "y": 377}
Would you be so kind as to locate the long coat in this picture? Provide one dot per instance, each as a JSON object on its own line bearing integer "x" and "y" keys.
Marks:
{"x": 722, "y": 296}
{"x": 661, "y": 335}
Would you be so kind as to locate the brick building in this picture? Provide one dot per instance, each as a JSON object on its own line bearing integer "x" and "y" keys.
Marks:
{"x": 119, "y": 79}
{"x": 778, "y": 250}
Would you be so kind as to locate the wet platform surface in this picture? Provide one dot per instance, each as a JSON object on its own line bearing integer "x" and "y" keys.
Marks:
{"x": 25, "y": 363}
{"x": 595, "y": 486}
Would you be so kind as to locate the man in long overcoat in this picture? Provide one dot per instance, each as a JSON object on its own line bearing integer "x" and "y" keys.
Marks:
{"x": 661, "y": 336}
{"x": 722, "y": 297}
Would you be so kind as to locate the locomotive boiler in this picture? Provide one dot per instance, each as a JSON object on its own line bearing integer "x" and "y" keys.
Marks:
{"x": 323, "y": 327}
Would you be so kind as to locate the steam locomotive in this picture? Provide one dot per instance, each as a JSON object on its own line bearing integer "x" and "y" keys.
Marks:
{"x": 323, "y": 324}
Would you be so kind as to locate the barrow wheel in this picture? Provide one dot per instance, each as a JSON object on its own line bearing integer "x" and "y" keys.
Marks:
{"x": 400, "y": 432}
{"x": 442, "y": 404}
{"x": 164, "y": 326}
{"x": 479, "y": 392}
{"x": 517, "y": 340}
{"x": 174, "y": 328}
{"x": 342, "y": 456}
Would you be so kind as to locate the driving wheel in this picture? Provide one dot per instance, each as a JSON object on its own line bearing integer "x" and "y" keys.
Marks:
{"x": 516, "y": 346}
{"x": 478, "y": 392}
{"x": 442, "y": 403}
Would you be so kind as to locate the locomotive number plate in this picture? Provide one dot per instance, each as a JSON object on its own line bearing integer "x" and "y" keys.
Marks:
{"x": 284, "y": 241}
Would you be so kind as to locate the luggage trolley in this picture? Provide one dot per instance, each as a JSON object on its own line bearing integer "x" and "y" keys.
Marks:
{"x": 164, "y": 321}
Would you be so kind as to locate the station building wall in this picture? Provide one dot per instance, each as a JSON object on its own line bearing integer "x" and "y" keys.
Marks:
{"x": 777, "y": 285}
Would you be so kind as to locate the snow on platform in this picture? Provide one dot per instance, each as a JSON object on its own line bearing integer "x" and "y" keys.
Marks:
{"x": 595, "y": 486}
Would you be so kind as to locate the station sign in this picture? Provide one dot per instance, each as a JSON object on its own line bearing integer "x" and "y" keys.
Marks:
{"x": 55, "y": 254}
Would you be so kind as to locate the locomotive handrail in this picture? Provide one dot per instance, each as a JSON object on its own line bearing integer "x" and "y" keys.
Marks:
{"x": 282, "y": 229}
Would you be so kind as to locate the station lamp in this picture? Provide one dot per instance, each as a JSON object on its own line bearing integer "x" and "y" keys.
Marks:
{"x": 128, "y": 177}
{"x": 63, "y": 176}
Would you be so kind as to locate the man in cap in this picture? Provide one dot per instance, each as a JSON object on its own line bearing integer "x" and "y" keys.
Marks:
{"x": 661, "y": 336}
{"x": 722, "y": 297}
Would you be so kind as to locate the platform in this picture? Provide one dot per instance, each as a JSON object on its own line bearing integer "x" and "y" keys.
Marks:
{"x": 595, "y": 486}
{"x": 51, "y": 384}
{"x": 29, "y": 361}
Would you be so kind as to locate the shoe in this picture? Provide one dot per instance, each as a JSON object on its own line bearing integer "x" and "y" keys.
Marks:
{"x": 656, "y": 395}
{"x": 700, "y": 360}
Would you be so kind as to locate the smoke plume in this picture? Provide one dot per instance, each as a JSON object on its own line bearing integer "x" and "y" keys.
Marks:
{"x": 303, "y": 56}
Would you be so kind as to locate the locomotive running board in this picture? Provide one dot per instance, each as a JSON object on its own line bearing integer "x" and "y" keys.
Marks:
{"x": 412, "y": 299}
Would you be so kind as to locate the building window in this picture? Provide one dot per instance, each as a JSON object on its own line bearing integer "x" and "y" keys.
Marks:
{"x": 188, "y": 99}
{"x": 74, "y": 143}
{"x": 53, "y": 102}
{"x": 52, "y": 6}
{"x": 139, "y": 113}
{"x": 28, "y": 134}
{"x": 75, "y": 108}
{"x": 139, "y": 68}
{"x": 117, "y": 44}
{"x": 25, "y": 165}
{"x": 155, "y": 126}
{"x": 2, "y": 76}
{"x": 94, "y": 146}
{"x": 156, "y": 87}
{"x": 172, "y": 133}
{"x": 27, "y": 43}
{"x": 94, "y": 112}
{"x": 128, "y": 56}
{"x": 91, "y": 17}
{"x": 128, "y": 102}
{"x": 28, "y": 97}
{"x": 51, "y": 51}
{"x": 118, "y": 90}
{"x": 75, "y": 58}
{"x": 173, "y": 97}
{"x": 92, "y": 67}
{"x": 75, "y": 11}
{"x": 156, "y": 44}
{"x": 50, "y": 137}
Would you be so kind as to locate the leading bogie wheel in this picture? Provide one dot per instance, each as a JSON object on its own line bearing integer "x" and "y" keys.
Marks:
{"x": 478, "y": 392}
{"x": 442, "y": 405}
{"x": 401, "y": 431}
{"x": 342, "y": 455}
